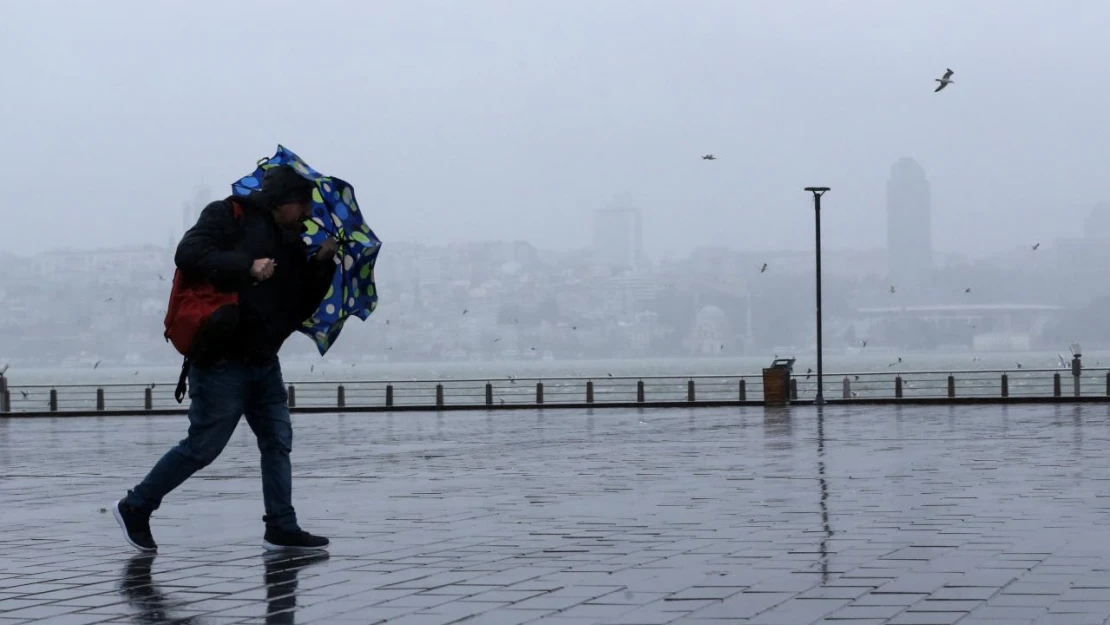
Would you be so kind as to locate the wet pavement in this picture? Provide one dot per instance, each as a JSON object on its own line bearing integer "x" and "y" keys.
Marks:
{"x": 901, "y": 515}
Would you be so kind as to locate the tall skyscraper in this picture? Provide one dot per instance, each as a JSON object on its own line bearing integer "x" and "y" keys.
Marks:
{"x": 618, "y": 237}
{"x": 909, "y": 223}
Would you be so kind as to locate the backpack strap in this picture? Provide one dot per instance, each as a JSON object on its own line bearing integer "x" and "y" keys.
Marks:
{"x": 179, "y": 392}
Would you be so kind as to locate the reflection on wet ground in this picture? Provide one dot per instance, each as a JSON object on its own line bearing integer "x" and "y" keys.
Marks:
{"x": 789, "y": 515}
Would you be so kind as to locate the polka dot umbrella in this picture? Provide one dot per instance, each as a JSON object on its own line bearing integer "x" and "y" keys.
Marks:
{"x": 335, "y": 213}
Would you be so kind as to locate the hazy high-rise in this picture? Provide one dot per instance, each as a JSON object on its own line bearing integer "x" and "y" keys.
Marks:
{"x": 909, "y": 228}
{"x": 618, "y": 237}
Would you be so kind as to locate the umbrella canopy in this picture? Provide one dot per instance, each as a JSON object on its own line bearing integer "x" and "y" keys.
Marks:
{"x": 335, "y": 214}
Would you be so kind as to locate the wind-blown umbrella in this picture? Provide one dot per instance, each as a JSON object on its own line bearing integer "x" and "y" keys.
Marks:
{"x": 335, "y": 214}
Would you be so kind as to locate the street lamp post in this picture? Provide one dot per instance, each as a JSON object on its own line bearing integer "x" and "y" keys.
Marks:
{"x": 817, "y": 193}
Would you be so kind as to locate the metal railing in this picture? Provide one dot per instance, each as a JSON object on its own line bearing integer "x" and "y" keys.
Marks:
{"x": 656, "y": 391}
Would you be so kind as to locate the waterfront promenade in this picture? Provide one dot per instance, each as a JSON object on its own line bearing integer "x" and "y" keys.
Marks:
{"x": 852, "y": 514}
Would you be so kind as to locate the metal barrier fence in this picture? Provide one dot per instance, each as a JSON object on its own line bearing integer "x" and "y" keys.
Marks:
{"x": 355, "y": 395}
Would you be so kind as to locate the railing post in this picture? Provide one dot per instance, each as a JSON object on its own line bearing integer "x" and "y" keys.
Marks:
{"x": 489, "y": 394}
{"x": 1108, "y": 383}
{"x": 292, "y": 393}
{"x": 640, "y": 391}
{"x": 1076, "y": 372}
{"x": 897, "y": 387}
{"x": 1056, "y": 385}
{"x": 793, "y": 389}
{"x": 951, "y": 386}
{"x": 539, "y": 392}
{"x": 690, "y": 394}
{"x": 388, "y": 395}
{"x": 1005, "y": 385}
{"x": 341, "y": 397}
{"x": 148, "y": 398}
{"x": 847, "y": 390}
{"x": 590, "y": 390}
{"x": 53, "y": 400}
{"x": 99, "y": 399}
{"x": 5, "y": 399}
{"x": 744, "y": 389}
{"x": 439, "y": 395}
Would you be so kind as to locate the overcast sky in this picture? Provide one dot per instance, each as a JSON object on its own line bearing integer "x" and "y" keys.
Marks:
{"x": 516, "y": 119}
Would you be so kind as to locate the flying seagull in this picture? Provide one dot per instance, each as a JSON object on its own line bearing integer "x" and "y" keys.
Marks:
{"x": 1036, "y": 246}
{"x": 943, "y": 80}
{"x": 709, "y": 157}
{"x": 763, "y": 268}
{"x": 967, "y": 290}
{"x": 892, "y": 288}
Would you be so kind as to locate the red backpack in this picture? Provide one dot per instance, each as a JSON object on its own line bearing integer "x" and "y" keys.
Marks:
{"x": 191, "y": 305}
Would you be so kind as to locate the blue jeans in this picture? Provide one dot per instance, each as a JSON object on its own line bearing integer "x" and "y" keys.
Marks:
{"x": 219, "y": 395}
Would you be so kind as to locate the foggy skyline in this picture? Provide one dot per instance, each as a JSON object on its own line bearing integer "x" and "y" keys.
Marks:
{"x": 505, "y": 120}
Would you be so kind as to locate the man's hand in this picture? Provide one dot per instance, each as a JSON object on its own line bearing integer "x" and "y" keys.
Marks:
{"x": 327, "y": 250}
{"x": 263, "y": 269}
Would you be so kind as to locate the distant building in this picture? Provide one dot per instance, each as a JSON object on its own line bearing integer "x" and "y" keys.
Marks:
{"x": 618, "y": 237}
{"x": 108, "y": 265}
{"x": 1085, "y": 258}
{"x": 909, "y": 227}
{"x": 710, "y": 332}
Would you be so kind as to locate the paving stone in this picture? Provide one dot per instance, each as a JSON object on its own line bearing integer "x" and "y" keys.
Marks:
{"x": 927, "y": 618}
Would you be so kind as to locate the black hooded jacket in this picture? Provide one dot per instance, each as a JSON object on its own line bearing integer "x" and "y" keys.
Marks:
{"x": 221, "y": 250}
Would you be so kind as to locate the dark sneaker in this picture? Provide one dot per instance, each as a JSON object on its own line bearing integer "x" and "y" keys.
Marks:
{"x": 277, "y": 540}
{"x": 135, "y": 525}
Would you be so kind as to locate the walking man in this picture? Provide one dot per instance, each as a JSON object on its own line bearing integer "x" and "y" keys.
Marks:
{"x": 235, "y": 371}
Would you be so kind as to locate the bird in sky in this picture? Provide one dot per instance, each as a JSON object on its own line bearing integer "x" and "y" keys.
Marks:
{"x": 892, "y": 288}
{"x": 763, "y": 268}
{"x": 709, "y": 157}
{"x": 944, "y": 80}
{"x": 967, "y": 290}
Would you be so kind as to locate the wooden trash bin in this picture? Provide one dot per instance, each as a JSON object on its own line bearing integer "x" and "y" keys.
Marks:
{"x": 776, "y": 382}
